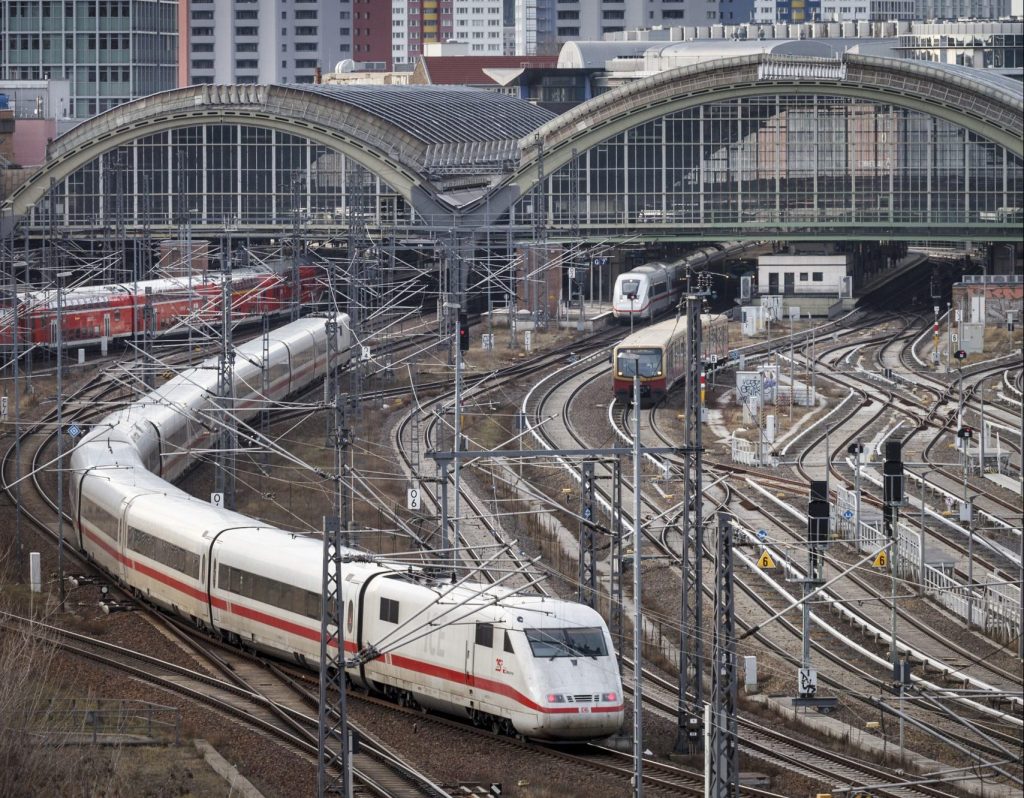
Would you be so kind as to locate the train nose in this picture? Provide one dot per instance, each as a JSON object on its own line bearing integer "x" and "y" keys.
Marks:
{"x": 584, "y": 716}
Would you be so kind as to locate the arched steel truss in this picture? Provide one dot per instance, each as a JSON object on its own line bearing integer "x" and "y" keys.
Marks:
{"x": 990, "y": 110}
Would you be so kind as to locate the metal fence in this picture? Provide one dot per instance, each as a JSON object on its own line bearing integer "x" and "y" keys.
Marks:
{"x": 114, "y": 720}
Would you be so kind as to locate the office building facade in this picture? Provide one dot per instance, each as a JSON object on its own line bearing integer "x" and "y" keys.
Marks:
{"x": 111, "y": 51}
{"x": 543, "y": 26}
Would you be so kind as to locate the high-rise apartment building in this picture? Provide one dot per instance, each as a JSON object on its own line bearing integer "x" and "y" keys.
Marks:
{"x": 962, "y": 9}
{"x": 111, "y": 50}
{"x": 878, "y": 10}
{"x": 269, "y": 41}
{"x": 542, "y": 26}
{"x": 414, "y": 23}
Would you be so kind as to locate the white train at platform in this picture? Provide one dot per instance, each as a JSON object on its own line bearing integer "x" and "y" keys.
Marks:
{"x": 530, "y": 665}
{"x": 651, "y": 289}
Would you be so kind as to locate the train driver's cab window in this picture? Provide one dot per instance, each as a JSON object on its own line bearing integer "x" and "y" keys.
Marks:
{"x": 567, "y": 642}
{"x": 484, "y": 635}
{"x": 388, "y": 610}
{"x": 508, "y": 645}
{"x": 631, "y": 289}
{"x": 649, "y": 360}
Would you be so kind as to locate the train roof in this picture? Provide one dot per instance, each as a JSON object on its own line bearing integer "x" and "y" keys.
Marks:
{"x": 658, "y": 334}
{"x": 91, "y": 294}
{"x": 109, "y": 451}
{"x": 647, "y": 268}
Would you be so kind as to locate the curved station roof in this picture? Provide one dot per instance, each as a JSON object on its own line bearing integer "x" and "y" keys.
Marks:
{"x": 448, "y": 149}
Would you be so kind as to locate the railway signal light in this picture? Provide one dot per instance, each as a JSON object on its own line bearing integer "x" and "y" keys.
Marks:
{"x": 965, "y": 432}
{"x": 892, "y": 476}
{"x": 817, "y": 513}
{"x": 463, "y": 332}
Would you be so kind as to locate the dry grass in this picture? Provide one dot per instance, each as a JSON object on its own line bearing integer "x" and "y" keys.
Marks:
{"x": 39, "y": 751}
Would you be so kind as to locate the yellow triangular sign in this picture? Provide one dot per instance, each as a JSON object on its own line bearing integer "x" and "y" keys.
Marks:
{"x": 880, "y": 560}
{"x": 766, "y": 560}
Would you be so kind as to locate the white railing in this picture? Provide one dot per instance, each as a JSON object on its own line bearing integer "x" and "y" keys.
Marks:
{"x": 749, "y": 453}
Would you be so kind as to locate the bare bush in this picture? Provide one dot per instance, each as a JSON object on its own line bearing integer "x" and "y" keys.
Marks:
{"x": 40, "y": 752}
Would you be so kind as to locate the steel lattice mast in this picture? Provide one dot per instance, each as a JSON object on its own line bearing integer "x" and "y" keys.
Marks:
{"x": 723, "y": 756}
{"x": 334, "y": 769}
{"x": 689, "y": 739}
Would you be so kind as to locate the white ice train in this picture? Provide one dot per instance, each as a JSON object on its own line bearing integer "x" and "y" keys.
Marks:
{"x": 541, "y": 667}
{"x": 648, "y": 290}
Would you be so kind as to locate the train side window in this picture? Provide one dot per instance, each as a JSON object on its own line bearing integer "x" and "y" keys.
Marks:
{"x": 388, "y": 610}
{"x": 484, "y": 635}
{"x": 508, "y": 645}
{"x": 117, "y": 315}
{"x": 312, "y": 604}
{"x": 105, "y": 522}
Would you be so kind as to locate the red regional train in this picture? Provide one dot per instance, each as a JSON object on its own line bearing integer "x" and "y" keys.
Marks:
{"x": 660, "y": 352}
{"x": 91, "y": 314}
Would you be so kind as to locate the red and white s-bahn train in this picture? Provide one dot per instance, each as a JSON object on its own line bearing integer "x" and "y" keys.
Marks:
{"x": 541, "y": 667}
{"x": 648, "y": 290}
{"x": 90, "y": 314}
{"x": 659, "y": 352}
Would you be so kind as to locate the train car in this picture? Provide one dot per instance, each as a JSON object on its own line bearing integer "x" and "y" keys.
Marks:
{"x": 91, "y": 314}
{"x": 535, "y": 666}
{"x": 646, "y": 291}
{"x": 658, "y": 352}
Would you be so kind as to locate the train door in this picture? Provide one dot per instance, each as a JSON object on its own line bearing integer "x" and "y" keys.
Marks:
{"x": 773, "y": 282}
{"x": 53, "y": 331}
{"x": 106, "y": 326}
{"x": 217, "y": 606}
{"x": 790, "y": 286}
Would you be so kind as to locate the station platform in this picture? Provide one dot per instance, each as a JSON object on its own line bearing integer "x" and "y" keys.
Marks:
{"x": 1004, "y": 480}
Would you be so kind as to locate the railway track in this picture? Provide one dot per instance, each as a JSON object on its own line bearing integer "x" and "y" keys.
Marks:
{"x": 244, "y": 695}
{"x": 625, "y": 503}
{"x": 249, "y": 694}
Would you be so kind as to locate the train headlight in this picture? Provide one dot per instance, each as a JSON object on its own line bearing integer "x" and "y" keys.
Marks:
{"x": 609, "y": 697}
{"x": 556, "y": 698}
